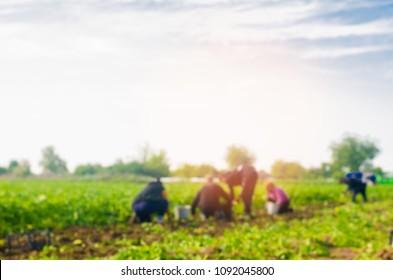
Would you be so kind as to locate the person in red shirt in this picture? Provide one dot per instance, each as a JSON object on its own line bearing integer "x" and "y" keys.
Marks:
{"x": 278, "y": 196}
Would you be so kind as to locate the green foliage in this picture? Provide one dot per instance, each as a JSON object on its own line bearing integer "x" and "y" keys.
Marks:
{"x": 325, "y": 220}
{"x": 3, "y": 170}
{"x": 352, "y": 152}
{"x": 287, "y": 170}
{"x": 23, "y": 169}
{"x": 237, "y": 155}
{"x": 378, "y": 172}
{"x": 17, "y": 168}
{"x": 88, "y": 169}
{"x": 324, "y": 171}
{"x": 121, "y": 168}
{"x": 185, "y": 171}
{"x": 150, "y": 163}
{"x": 204, "y": 170}
{"x": 51, "y": 163}
{"x": 12, "y": 165}
{"x": 200, "y": 171}
{"x": 153, "y": 165}
{"x": 156, "y": 165}
{"x": 349, "y": 227}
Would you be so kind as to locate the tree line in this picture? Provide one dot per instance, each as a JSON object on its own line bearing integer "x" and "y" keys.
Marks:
{"x": 352, "y": 153}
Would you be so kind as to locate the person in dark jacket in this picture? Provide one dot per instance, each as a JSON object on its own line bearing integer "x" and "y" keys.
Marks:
{"x": 246, "y": 176}
{"x": 208, "y": 201}
{"x": 357, "y": 184}
{"x": 151, "y": 200}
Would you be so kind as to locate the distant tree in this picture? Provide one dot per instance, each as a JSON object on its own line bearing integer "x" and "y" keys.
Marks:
{"x": 352, "y": 152}
{"x": 204, "y": 170}
{"x": 287, "y": 170}
{"x": 154, "y": 165}
{"x": 149, "y": 163}
{"x": 185, "y": 171}
{"x": 51, "y": 163}
{"x": 144, "y": 153}
{"x": 23, "y": 169}
{"x": 88, "y": 169}
{"x": 3, "y": 170}
{"x": 119, "y": 167}
{"x": 122, "y": 168}
{"x": 313, "y": 173}
{"x": 190, "y": 171}
{"x": 157, "y": 165}
{"x": 237, "y": 155}
{"x": 326, "y": 170}
{"x": 323, "y": 171}
{"x": 12, "y": 165}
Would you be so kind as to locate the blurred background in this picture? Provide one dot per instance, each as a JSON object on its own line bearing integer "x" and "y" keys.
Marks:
{"x": 102, "y": 80}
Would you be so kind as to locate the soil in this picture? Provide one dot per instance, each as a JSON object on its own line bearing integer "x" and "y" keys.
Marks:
{"x": 386, "y": 254}
{"x": 77, "y": 242}
{"x": 342, "y": 253}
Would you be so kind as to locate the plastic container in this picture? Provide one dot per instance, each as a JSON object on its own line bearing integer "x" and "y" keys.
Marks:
{"x": 272, "y": 208}
{"x": 182, "y": 212}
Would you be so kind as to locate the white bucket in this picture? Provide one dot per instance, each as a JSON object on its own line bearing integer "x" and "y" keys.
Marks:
{"x": 272, "y": 208}
{"x": 182, "y": 212}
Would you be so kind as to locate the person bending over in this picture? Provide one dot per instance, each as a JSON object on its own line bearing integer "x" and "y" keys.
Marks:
{"x": 246, "y": 177}
{"x": 357, "y": 184}
{"x": 208, "y": 201}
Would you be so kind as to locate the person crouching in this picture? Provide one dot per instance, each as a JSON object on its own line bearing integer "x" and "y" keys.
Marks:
{"x": 208, "y": 201}
{"x": 151, "y": 200}
{"x": 277, "y": 196}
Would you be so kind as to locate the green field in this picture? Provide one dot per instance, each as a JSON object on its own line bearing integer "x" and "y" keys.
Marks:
{"x": 90, "y": 220}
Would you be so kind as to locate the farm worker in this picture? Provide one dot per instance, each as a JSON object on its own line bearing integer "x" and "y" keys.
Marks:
{"x": 208, "y": 200}
{"x": 151, "y": 200}
{"x": 278, "y": 196}
{"x": 357, "y": 183}
{"x": 246, "y": 176}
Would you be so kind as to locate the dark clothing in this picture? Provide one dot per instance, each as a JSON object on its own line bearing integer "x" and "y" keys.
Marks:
{"x": 143, "y": 210}
{"x": 208, "y": 200}
{"x": 223, "y": 211}
{"x": 361, "y": 176}
{"x": 284, "y": 207}
{"x": 247, "y": 177}
{"x": 356, "y": 186}
{"x": 153, "y": 192}
{"x": 357, "y": 183}
{"x": 357, "y": 175}
{"x": 150, "y": 201}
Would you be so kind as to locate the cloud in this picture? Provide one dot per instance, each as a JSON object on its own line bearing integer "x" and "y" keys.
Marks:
{"x": 340, "y": 52}
{"x": 126, "y": 27}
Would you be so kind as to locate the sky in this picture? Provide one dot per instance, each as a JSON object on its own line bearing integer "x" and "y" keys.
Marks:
{"x": 99, "y": 79}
